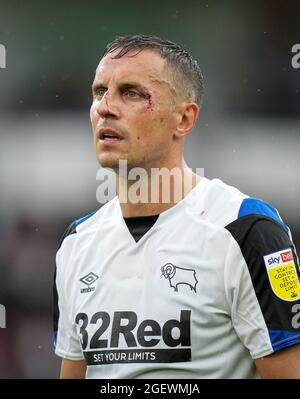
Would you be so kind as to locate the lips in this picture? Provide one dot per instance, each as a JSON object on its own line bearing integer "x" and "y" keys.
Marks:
{"x": 109, "y": 135}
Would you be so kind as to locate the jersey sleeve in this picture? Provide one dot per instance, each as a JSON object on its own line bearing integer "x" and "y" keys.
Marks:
{"x": 262, "y": 281}
{"x": 66, "y": 340}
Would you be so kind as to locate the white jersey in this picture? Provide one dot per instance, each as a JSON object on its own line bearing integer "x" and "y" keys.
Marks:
{"x": 208, "y": 286}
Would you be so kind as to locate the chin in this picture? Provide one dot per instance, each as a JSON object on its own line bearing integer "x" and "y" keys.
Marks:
{"x": 108, "y": 161}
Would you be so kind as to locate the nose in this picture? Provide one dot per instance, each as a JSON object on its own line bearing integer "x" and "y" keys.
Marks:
{"x": 106, "y": 107}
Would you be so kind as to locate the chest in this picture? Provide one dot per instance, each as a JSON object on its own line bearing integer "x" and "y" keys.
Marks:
{"x": 156, "y": 293}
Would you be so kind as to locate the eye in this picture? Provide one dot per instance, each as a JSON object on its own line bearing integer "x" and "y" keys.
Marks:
{"x": 132, "y": 94}
{"x": 100, "y": 91}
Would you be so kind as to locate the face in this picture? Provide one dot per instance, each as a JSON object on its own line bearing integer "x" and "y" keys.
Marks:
{"x": 132, "y": 114}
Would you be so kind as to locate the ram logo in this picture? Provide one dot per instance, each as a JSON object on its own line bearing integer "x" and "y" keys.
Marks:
{"x": 179, "y": 275}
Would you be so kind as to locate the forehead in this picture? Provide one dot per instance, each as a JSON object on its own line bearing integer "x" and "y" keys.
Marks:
{"x": 146, "y": 66}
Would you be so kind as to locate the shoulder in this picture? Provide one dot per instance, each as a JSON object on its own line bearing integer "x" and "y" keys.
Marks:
{"x": 73, "y": 228}
{"x": 258, "y": 229}
{"x": 252, "y": 225}
{"x": 228, "y": 207}
{"x": 259, "y": 224}
{"x": 219, "y": 202}
{"x": 87, "y": 224}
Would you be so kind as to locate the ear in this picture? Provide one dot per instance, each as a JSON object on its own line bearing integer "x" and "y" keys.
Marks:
{"x": 187, "y": 116}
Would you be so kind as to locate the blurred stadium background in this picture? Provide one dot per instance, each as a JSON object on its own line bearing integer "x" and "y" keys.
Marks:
{"x": 248, "y": 133}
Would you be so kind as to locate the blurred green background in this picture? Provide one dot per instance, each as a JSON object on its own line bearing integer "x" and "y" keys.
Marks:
{"x": 248, "y": 132}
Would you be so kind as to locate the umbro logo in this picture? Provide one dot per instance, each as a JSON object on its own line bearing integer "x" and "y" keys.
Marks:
{"x": 88, "y": 280}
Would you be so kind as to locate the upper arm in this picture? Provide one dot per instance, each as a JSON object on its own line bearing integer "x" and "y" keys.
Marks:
{"x": 282, "y": 364}
{"x": 66, "y": 339}
{"x": 267, "y": 298}
{"x": 72, "y": 369}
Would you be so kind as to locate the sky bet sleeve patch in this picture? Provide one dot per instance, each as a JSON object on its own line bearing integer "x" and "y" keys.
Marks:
{"x": 282, "y": 274}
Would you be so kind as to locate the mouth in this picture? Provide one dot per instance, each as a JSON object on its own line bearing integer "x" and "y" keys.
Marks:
{"x": 108, "y": 135}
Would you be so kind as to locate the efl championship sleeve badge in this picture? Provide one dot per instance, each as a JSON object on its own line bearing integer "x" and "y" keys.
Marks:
{"x": 283, "y": 275}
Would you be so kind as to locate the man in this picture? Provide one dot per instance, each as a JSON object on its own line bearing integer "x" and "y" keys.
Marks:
{"x": 206, "y": 286}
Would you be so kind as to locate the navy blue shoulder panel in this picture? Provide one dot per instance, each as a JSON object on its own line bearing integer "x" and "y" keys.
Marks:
{"x": 255, "y": 206}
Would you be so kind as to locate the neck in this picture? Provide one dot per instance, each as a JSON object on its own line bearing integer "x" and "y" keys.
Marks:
{"x": 147, "y": 193}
